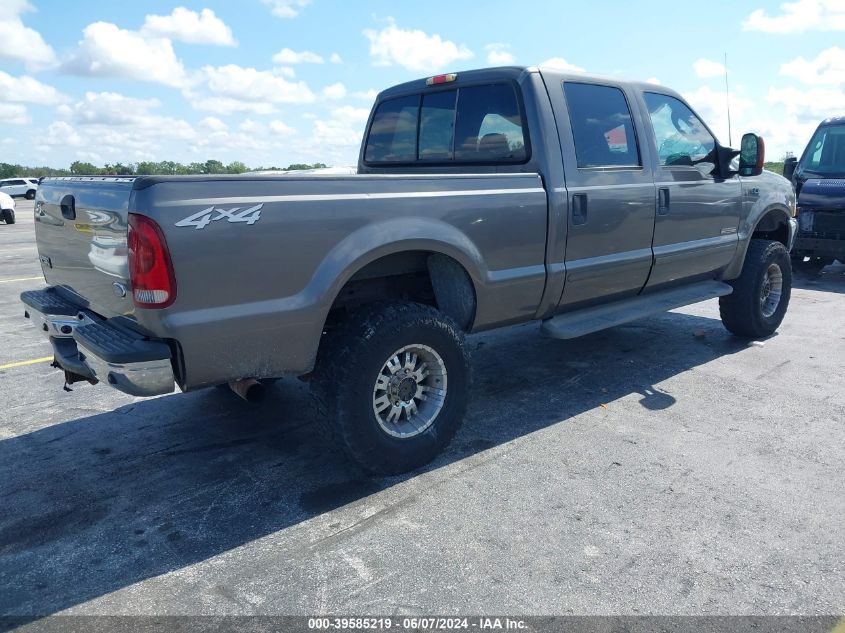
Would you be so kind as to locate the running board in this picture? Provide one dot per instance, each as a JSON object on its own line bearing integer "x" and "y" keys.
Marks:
{"x": 575, "y": 324}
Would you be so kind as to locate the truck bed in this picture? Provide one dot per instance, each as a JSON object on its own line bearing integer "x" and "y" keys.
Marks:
{"x": 258, "y": 260}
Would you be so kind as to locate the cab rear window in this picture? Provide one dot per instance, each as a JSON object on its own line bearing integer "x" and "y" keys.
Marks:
{"x": 474, "y": 124}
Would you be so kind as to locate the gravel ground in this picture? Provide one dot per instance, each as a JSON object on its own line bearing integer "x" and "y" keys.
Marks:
{"x": 661, "y": 467}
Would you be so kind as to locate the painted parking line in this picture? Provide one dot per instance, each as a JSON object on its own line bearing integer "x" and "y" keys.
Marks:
{"x": 23, "y": 363}
{"x": 8, "y": 281}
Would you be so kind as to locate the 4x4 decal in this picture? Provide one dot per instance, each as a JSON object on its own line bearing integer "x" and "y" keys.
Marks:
{"x": 201, "y": 219}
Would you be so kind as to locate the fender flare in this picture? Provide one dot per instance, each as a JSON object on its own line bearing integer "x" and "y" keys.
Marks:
{"x": 760, "y": 222}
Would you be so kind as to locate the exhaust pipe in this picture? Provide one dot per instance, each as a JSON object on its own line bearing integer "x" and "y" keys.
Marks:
{"x": 249, "y": 389}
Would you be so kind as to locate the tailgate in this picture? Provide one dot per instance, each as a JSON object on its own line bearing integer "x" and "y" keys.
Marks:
{"x": 80, "y": 229}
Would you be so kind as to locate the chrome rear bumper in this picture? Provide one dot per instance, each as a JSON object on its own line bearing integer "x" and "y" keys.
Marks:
{"x": 99, "y": 349}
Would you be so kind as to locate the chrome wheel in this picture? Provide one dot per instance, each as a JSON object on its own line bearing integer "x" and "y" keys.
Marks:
{"x": 409, "y": 391}
{"x": 772, "y": 290}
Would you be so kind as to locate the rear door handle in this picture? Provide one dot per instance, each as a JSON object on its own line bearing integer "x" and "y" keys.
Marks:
{"x": 579, "y": 208}
{"x": 663, "y": 201}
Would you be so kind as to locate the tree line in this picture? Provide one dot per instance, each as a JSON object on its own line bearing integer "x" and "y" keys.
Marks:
{"x": 143, "y": 168}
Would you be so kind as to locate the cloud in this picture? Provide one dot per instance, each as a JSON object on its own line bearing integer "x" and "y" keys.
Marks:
{"x": 109, "y": 51}
{"x": 366, "y": 95}
{"x": 333, "y": 140}
{"x": 116, "y": 115}
{"x": 711, "y": 105}
{"x": 413, "y": 49}
{"x": 799, "y": 16}
{"x": 336, "y": 59}
{"x": 64, "y": 134}
{"x": 19, "y": 42}
{"x": 189, "y": 26}
{"x": 288, "y": 56}
{"x": 808, "y": 105}
{"x": 214, "y": 124}
{"x": 13, "y": 114}
{"x": 828, "y": 68}
{"x": 278, "y": 127}
{"x": 335, "y": 91}
{"x": 499, "y": 55}
{"x": 559, "y": 63}
{"x": 286, "y": 8}
{"x": 708, "y": 68}
{"x": 226, "y": 105}
{"x": 256, "y": 86}
{"x": 27, "y": 89}
{"x": 115, "y": 127}
{"x": 653, "y": 80}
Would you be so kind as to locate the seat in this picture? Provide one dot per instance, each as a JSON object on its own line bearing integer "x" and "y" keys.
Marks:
{"x": 493, "y": 146}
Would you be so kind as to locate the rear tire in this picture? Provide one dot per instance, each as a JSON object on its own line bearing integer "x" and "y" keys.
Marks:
{"x": 392, "y": 384}
{"x": 30, "y": 195}
{"x": 761, "y": 293}
{"x": 9, "y": 216}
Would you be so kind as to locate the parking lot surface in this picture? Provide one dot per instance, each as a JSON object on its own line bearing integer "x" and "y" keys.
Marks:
{"x": 662, "y": 467}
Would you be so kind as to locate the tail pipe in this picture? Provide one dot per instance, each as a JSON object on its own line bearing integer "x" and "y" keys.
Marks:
{"x": 249, "y": 389}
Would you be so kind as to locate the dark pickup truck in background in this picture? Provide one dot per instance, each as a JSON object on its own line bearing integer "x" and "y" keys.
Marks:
{"x": 819, "y": 181}
{"x": 482, "y": 199}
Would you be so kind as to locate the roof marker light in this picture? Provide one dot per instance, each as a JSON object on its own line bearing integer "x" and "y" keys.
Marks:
{"x": 441, "y": 79}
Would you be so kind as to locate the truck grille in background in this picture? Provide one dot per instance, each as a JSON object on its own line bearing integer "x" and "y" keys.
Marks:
{"x": 823, "y": 224}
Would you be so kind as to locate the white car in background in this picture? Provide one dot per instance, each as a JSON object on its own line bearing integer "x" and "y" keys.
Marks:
{"x": 7, "y": 208}
{"x": 19, "y": 187}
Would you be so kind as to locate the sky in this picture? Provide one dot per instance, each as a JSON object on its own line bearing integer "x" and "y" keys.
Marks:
{"x": 274, "y": 82}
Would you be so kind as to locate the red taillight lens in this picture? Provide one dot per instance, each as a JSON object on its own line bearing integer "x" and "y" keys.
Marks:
{"x": 150, "y": 268}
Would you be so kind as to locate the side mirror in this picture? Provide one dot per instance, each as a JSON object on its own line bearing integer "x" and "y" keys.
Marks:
{"x": 752, "y": 153}
{"x": 789, "y": 166}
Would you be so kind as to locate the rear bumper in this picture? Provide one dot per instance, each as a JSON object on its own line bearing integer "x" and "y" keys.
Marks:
{"x": 94, "y": 348}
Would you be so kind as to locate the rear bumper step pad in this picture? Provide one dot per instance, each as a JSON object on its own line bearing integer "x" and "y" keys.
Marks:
{"x": 99, "y": 349}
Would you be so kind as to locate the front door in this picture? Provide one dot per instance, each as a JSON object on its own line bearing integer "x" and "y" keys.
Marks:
{"x": 695, "y": 233}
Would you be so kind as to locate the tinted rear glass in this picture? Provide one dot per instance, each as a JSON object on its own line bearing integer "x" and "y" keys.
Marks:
{"x": 476, "y": 124}
{"x": 393, "y": 134}
{"x": 601, "y": 126}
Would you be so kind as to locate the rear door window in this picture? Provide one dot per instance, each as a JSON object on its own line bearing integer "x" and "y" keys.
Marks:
{"x": 475, "y": 124}
{"x": 602, "y": 127}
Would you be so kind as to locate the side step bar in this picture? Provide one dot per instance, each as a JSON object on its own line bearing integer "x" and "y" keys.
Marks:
{"x": 588, "y": 320}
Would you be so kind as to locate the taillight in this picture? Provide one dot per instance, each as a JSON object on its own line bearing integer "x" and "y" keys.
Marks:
{"x": 150, "y": 268}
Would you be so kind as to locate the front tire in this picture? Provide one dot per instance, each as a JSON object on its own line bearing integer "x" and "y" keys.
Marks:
{"x": 30, "y": 195}
{"x": 9, "y": 216}
{"x": 392, "y": 384}
{"x": 761, "y": 293}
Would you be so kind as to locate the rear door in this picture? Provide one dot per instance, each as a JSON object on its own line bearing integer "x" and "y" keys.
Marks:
{"x": 611, "y": 193}
{"x": 695, "y": 233}
{"x": 14, "y": 187}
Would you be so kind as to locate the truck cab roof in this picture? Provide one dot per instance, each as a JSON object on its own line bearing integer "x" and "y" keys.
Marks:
{"x": 516, "y": 73}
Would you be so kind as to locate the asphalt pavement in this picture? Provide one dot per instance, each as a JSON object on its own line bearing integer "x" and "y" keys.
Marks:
{"x": 663, "y": 467}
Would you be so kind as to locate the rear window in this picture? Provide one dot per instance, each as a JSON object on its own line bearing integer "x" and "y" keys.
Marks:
{"x": 476, "y": 124}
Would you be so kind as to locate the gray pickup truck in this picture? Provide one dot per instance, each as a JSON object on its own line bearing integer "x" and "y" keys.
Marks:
{"x": 482, "y": 199}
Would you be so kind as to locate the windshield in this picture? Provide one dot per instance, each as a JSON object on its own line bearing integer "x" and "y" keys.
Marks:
{"x": 825, "y": 155}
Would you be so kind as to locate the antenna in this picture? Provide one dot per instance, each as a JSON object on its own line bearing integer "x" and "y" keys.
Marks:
{"x": 728, "y": 101}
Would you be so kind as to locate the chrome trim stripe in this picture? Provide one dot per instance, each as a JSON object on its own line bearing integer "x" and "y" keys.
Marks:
{"x": 322, "y": 197}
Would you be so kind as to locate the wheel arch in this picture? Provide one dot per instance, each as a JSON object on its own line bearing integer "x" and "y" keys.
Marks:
{"x": 771, "y": 223}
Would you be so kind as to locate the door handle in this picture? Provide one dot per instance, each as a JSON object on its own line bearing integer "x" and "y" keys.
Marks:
{"x": 579, "y": 208}
{"x": 663, "y": 201}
